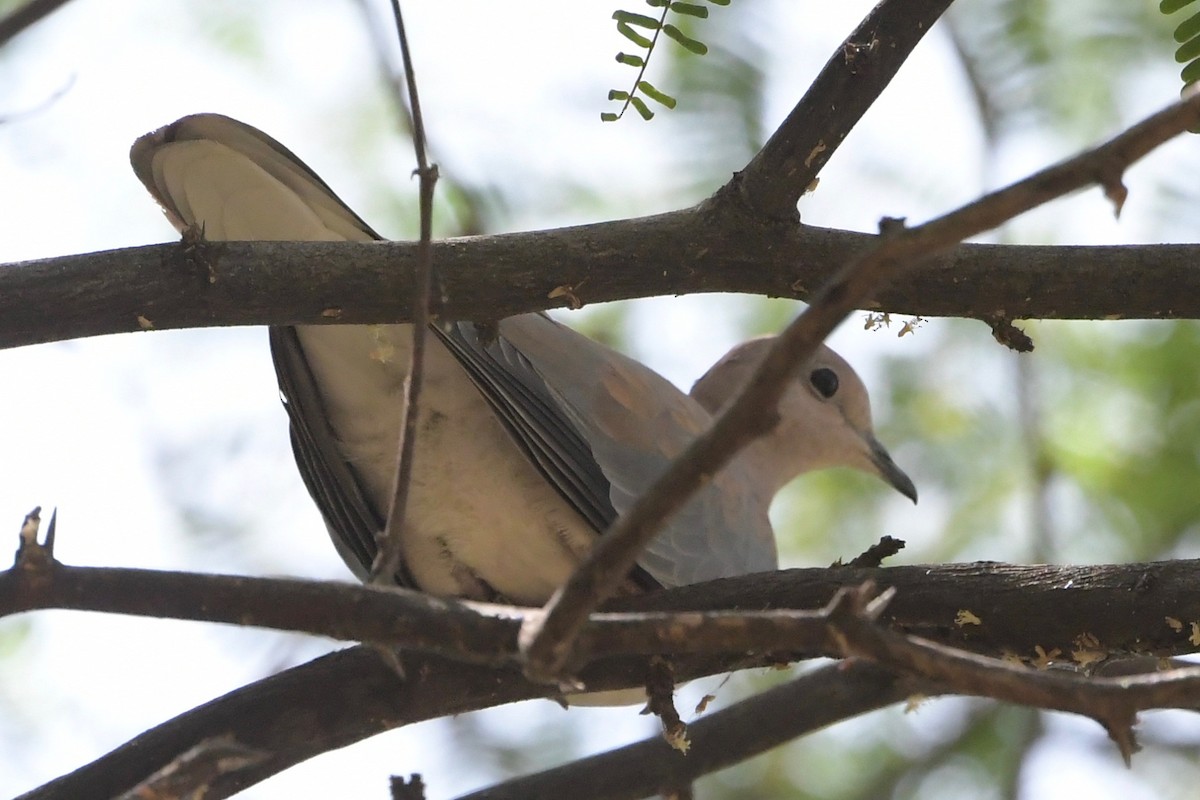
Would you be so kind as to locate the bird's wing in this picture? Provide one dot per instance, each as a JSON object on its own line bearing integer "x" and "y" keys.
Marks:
{"x": 331, "y": 480}
{"x": 601, "y": 428}
{"x": 211, "y": 159}
{"x": 208, "y": 167}
{"x": 635, "y": 423}
{"x": 531, "y": 414}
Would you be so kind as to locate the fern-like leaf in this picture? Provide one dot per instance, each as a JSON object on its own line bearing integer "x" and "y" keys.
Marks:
{"x": 630, "y": 25}
{"x": 1187, "y": 34}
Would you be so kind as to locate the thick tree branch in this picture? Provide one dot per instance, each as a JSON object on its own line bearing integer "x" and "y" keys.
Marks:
{"x": 163, "y": 287}
{"x": 993, "y": 609}
{"x": 722, "y": 738}
{"x": 849, "y": 84}
{"x": 352, "y": 695}
{"x": 548, "y": 640}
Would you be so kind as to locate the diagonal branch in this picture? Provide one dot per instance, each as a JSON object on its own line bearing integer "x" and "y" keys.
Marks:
{"x": 329, "y": 703}
{"x": 548, "y": 640}
{"x": 847, "y": 86}
{"x": 720, "y": 739}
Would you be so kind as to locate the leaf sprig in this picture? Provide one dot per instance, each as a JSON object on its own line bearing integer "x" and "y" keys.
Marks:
{"x": 1187, "y": 34}
{"x": 630, "y": 25}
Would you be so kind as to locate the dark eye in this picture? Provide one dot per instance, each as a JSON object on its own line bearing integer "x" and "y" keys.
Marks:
{"x": 825, "y": 381}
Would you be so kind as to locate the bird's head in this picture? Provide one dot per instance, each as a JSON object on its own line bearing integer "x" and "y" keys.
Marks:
{"x": 824, "y": 416}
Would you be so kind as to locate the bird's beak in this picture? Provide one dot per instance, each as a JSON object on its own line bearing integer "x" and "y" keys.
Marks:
{"x": 889, "y": 471}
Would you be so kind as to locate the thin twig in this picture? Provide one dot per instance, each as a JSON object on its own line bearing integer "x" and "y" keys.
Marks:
{"x": 981, "y": 92}
{"x": 468, "y": 200}
{"x": 548, "y": 639}
{"x": 394, "y": 78}
{"x": 387, "y": 562}
{"x": 26, "y": 16}
{"x": 645, "y": 61}
{"x": 1039, "y": 467}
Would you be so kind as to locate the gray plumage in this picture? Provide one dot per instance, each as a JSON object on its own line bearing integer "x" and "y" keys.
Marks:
{"x": 531, "y": 438}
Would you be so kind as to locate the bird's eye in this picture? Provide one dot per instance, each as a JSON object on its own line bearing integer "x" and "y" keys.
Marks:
{"x": 825, "y": 381}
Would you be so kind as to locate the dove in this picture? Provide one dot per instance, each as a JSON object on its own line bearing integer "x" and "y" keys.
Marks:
{"x": 531, "y": 437}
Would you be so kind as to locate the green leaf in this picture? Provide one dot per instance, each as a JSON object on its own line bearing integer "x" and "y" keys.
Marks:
{"x": 633, "y": 61}
{"x": 657, "y": 3}
{"x": 641, "y": 107}
{"x": 1171, "y": 6}
{"x": 690, "y": 10}
{"x": 688, "y": 43}
{"x": 726, "y": 2}
{"x": 633, "y": 36}
{"x": 641, "y": 20}
{"x": 1188, "y": 29}
{"x": 654, "y": 94}
{"x": 1191, "y": 73}
{"x": 608, "y": 116}
{"x": 617, "y": 94}
{"x": 1187, "y": 51}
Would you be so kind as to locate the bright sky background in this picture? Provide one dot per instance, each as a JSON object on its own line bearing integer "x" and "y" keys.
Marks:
{"x": 121, "y": 433}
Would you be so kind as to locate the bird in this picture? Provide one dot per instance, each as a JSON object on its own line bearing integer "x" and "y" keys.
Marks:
{"x": 531, "y": 437}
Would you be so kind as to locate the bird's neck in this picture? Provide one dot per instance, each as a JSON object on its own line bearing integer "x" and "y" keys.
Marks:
{"x": 769, "y": 465}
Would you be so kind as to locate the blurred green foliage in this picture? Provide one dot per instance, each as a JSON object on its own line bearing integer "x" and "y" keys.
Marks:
{"x": 1065, "y": 66}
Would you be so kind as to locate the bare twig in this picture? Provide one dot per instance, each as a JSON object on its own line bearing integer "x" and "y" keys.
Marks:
{"x": 548, "y": 639}
{"x": 876, "y": 554}
{"x": 387, "y": 562}
{"x": 467, "y": 200}
{"x": 394, "y": 78}
{"x": 1039, "y": 467}
{"x": 27, "y": 539}
{"x": 410, "y": 788}
{"x": 26, "y": 16}
{"x": 1009, "y": 335}
{"x": 981, "y": 92}
{"x": 660, "y": 701}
